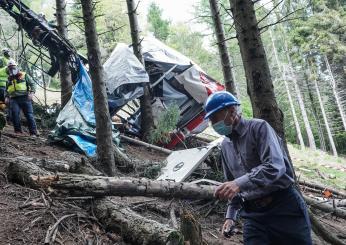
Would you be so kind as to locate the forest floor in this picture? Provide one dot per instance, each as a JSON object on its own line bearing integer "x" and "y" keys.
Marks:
{"x": 27, "y": 214}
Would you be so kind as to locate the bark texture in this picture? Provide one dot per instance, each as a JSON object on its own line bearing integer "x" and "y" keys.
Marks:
{"x": 319, "y": 229}
{"x": 113, "y": 215}
{"x": 325, "y": 207}
{"x": 105, "y": 147}
{"x": 64, "y": 69}
{"x": 147, "y": 121}
{"x": 191, "y": 229}
{"x": 259, "y": 82}
{"x": 85, "y": 185}
{"x": 132, "y": 226}
{"x": 222, "y": 46}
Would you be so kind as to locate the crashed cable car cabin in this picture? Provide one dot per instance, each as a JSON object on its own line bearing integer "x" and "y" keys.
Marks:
{"x": 173, "y": 78}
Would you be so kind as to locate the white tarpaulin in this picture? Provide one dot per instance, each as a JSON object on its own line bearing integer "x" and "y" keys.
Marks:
{"x": 154, "y": 49}
{"x": 192, "y": 83}
{"x": 123, "y": 67}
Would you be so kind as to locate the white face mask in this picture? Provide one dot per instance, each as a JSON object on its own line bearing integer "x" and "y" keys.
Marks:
{"x": 222, "y": 128}
{"x": 13, "y": 71}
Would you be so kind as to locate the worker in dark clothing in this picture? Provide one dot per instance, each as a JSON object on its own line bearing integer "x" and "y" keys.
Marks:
{"x": 259, "y": 178}
{"x": 20, "y": 90}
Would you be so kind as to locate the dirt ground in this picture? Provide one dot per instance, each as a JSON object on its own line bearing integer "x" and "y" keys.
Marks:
{"x": 26, "y": 215}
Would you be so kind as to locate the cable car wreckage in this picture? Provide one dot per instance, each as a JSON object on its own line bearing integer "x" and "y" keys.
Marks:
{"x": 173, "y": 78}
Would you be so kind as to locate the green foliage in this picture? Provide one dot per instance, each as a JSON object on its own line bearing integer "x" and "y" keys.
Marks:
{"x": 46, "y": 116}
{"x": 152, "y": 172}
{"x": 111, "y": 24}
{"x": 340, "y": 140}
{"x": 158, "y": 25}
{"x": 55, "y": 83}
{"x": 246, "y": 108}
{"x": 324, "y": 31}
{"x": 166, "y": 124}
{"x": 190, "y": 43}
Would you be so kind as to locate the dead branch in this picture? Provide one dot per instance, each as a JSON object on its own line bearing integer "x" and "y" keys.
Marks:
{"x": 133, "y": 227}
{"x": 51, "y": 232}
{"x": 173, "y": 217}
{"x": 319, "y": 229}
{"x": 325, "y": 207}
{"x": 278, "y": 22}
{"x": 322, "y": 188}
{"x": 138, "y": 142}
{"x": 275, "y": 6}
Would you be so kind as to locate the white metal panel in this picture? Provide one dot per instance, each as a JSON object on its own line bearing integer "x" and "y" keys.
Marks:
{"x": 180, "y": 164}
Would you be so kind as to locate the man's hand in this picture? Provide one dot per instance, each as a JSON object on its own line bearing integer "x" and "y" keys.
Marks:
{"x": 227, "y": 190}
{"x": 7, "y": 101}
{"x": 30, "y": 95}
{"x": 227, "y": 228}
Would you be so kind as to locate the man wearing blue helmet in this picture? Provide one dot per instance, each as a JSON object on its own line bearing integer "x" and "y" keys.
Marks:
{"x": 259, "y": 178}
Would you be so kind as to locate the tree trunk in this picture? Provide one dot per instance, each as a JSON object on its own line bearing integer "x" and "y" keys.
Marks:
{"x": 295, "y": 119}
{"x": 147, "y": 121}
{"x": 336, "y": 94}
{"x": 64, "y": 69}
{"x": 86, "y": 185}
{"x": 105, "y": 147}
{"x": 316, "y": 117}
{"x": 283, "y": 74}
{"x": 190, "y": 228}
{"x": 259, "y": 82}
{"x": 222, "y": 45}
{"x": 330, "y": 136}
{"x": 23, "y": 169}
{"x": 133, "y": 227}
{"x": 309, "y": 133}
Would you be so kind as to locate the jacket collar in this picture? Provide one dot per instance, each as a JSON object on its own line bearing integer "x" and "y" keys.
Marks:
{"x": 239, "y": 129}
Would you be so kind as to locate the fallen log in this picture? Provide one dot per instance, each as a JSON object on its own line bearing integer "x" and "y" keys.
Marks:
{"x": 322, "y": 232}
{"x": 28, "y": 173}
{"x": 21, "y": 172}
{"x": 325, "y": 207}
{"x": 85, "y": 185}
{"x": 113, "y": 215}
{"x": 322, "y": 187}
{"x": 132, "y": 226}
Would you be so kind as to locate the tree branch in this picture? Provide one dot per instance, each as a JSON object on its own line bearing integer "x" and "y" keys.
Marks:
{"x": 233, "y": 17}
{"x": 111, "y": 30}
{"x": 275, "y": 23}
{"x": 275, "y": 6}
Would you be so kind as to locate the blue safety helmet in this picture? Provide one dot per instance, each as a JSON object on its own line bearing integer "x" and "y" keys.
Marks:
{"x": 219, "y": 100}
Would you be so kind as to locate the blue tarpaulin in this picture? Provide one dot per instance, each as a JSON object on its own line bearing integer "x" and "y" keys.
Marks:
{"x": 76, "y": 121}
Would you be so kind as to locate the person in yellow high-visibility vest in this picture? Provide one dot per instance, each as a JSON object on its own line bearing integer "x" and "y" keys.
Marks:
{"x": 20, "y": 90}
{"x": 3, "y": 75}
